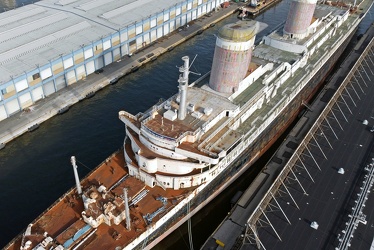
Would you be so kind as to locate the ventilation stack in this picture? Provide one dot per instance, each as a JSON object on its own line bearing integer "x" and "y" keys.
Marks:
{"x": 299, "y": 18}
{"x": 232, "y": 55}
{"x": 183, "y": 85}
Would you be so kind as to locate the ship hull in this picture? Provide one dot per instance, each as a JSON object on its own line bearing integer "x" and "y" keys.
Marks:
{"x": 247, "y": 158}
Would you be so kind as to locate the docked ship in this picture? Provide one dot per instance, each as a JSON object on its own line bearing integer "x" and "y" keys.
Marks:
{"x": 182, "y": 152}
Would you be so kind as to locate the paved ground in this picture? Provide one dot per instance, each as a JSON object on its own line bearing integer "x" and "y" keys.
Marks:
{"x": 19, "y": 123}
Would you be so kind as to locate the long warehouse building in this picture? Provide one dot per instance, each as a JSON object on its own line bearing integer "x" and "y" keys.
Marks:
{"x": 49, "y": 45}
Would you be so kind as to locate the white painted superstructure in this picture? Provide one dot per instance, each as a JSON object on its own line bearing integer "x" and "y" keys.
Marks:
{"x": 211, "y": 143}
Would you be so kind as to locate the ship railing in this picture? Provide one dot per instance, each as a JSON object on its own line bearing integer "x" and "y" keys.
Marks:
{"x": 131, "y": 116}
{"x": 213, "y": 134}
{"x": 160, "y": 101}
{"x": 321, "y": 30}
{"x": 210, "y": 153}
{"x": 139, "y": 197}
{"x": 277, "y": 27}
{"x": 129, "y": 119}
{"x": 250, "y": 135}
{"x": 163, "y": 137}
{"x": 200, "y": 79}
{"x": 254, "y": 99}
{"x": 118, "y": 182}
{"x": 214, "y": 145}
{"x": 187, "y": 133}
{"x": 334, "y": 43}
{"x": 147, "y": 114}
{"x": 160, "y": 105}
{"x": 247, "y": 106}
{"x": 146, "y": 118}
{"x": 280, "y": 104}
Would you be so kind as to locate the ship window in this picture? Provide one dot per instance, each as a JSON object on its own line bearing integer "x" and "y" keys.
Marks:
{"x": 132, "y": 43}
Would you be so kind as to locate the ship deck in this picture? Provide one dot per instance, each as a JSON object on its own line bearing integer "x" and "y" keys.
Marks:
{"x": 330, "y": 196}
{"x": 63, "y": 219}
{"x": 266, "y": 51}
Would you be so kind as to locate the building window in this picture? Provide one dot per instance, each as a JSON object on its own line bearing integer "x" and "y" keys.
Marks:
{"x": 35, "y": 76}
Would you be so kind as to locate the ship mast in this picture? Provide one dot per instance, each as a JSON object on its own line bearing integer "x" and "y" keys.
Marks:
{"x": 77, "y": 182}
{"x": 126, "y": 201}
{"x": 183, "y": 85}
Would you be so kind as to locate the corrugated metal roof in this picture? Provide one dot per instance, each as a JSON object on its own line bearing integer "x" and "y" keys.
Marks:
{"x": 37, "y": 33}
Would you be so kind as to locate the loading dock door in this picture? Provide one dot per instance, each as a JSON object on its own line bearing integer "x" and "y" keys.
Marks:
{"x": 12, "y": 106}
{"x": 108, "y": 58}
{"x": 2, "y": 113}
{"x": 60, "y": 83}
{"x": 81, "y": 72}
{"x": 70, "y": 77}
{"x": 25, "y": 100}
{"x": 90, "y": 67}
{"x": 116, "y": 54}
{"x": 49, "y": 88}
{"x": 37, "y": 93}
{"x": 99, "y": 63}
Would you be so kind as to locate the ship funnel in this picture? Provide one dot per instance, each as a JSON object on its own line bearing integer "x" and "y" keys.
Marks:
{"x": 299, "y": 18}
{"x": 232, "y": 55}
{"x": 183, "y": 85}
{"x": 77, "y": 182}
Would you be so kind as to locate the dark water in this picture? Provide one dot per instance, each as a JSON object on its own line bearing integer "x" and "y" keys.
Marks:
{"x": 35, "y": 168}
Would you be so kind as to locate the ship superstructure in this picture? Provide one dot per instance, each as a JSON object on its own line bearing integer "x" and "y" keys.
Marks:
{"x": 178, "y": 143}
{"x": 183, "y": 151}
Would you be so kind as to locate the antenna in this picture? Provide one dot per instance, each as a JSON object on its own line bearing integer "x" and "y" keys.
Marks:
{"x": 195, "y": 73}
{"x": 183, "y": 85}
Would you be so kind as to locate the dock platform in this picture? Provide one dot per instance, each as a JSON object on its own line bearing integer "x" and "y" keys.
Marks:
{"x": 251, "y": 12}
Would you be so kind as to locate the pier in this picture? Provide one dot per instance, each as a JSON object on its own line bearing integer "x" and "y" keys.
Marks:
{"x": 253, "y": 11}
